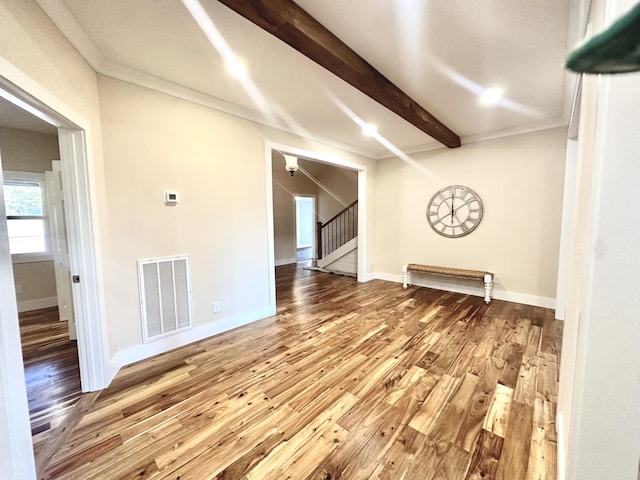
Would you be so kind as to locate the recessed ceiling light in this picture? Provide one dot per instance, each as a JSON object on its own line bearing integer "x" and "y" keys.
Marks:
{"x": 369, "y": 130}
{"x": 491, "y": 96}
{"x": 236, "y": 67}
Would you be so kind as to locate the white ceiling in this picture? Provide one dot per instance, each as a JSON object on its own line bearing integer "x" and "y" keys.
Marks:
{"x": 441, "y": 53}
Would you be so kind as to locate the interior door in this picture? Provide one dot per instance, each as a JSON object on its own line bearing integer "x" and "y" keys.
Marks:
{"x": 60, "y": 246}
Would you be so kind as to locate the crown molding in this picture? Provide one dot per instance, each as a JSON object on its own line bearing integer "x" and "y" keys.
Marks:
{"x": 66, "y": 22}
{"x": 59, "y": 13}
{"x": 482, "y": 137}
{"x": 510, "y": 132}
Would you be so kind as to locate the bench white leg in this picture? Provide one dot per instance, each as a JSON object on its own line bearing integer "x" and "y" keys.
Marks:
{"x": 488, "y": 287}
{"x": 405, "y": 274}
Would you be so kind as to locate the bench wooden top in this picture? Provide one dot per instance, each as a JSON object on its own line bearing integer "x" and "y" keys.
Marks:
{"x": 449, "y": 272}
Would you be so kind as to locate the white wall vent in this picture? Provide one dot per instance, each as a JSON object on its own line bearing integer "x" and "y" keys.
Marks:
{"x": 165, "y": 296}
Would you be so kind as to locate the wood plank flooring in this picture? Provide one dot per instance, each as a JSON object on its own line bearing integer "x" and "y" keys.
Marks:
{"x": 348, "y": 381}
{"x": 52, "y": 374}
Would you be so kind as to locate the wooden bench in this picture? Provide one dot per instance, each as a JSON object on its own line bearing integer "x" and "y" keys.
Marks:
{"x": 486, "y": 277}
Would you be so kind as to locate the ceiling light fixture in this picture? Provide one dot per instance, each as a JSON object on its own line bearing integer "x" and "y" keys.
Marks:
{"x": 369, "y": 130}
{"x": 291, "y": 164}
{"x": 491, "y": 96}
{"x": 236, "y": 68}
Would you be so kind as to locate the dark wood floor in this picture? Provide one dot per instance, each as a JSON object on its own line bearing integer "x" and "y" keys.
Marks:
{"x": 51, "y": 370}
{"x": 348, "y": 381}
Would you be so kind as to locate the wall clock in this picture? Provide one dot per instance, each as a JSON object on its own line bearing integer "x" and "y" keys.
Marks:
{"x": 454, "y": 211}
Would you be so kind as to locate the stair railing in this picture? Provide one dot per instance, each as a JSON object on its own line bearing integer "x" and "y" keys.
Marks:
{"x": 337, "y": 231}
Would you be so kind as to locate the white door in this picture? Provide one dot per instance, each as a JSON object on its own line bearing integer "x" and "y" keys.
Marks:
{"x": 60, "y": 246}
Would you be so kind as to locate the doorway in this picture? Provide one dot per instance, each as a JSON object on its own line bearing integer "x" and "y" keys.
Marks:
{"x": 279, "y": 198}
{"x": 305, "y": 229}
{"x": 35, "y": 223}
{"x": 73, "y": 137}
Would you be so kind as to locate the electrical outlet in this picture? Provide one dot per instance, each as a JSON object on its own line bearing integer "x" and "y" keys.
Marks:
{"x": 216, "y": 307}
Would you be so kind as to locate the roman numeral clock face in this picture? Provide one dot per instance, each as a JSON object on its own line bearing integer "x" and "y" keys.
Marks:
{"x": 454, "y": 211}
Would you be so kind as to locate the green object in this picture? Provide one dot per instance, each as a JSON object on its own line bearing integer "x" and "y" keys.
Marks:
{"x": 615, "y": 50}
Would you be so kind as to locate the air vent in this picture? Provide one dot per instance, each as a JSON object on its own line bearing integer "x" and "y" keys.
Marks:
{"x": 165, "y": 296}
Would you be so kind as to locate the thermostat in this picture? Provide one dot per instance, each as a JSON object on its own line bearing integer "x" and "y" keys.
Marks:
{"x": 171, "y": 198}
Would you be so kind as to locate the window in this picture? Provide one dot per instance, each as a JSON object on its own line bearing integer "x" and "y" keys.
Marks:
{"x": 24, "y": 198}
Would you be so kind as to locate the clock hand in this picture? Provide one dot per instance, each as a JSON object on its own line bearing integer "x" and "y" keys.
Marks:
{"x": 440, "y": 219}
{"x": 453, "y": 211}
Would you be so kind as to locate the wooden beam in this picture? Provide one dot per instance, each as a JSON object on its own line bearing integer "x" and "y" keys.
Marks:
{"x": 294, "y": 26}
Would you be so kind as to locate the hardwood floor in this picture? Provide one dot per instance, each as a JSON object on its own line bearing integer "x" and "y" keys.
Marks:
{"x": 350, "y": 381}
{"x": 51, "y": 370}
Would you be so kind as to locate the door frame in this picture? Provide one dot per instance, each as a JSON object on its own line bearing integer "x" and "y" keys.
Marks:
{"x": 363, "y": 256}
{"x": 75, "y": 139}
{"x": 314, "y": 212}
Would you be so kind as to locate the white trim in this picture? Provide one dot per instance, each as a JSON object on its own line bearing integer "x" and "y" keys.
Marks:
{"x": 510, "y": 132}
{"x": 568, "y": 207}
{"x": 363, "y": 223}
{"x": 560, "y": 447}
{"x": 64, "y": 19}
{"x": 339, "y": 252}
{"x": 16, "y": 448}
{"x": 140, "y": 352}
{"x": 75, "y": 140}
{"x": 270, "y": 229}
{"x": 367, "y": 277}
{"x": 80, "y": 205}
{"x": 286, "y": 261}
{"x": 525, "y": 299}
{"x": 18, "y": 176}
{"x": 449, "y": 286}
{"x": 37, "y": 303}
{"x": 31, "y": 257}
{"x": 15, "y": 433}
{"x": 482, "y": 137}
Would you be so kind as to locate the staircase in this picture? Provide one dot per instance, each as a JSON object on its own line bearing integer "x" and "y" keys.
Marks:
{"x": 337, "y": 242}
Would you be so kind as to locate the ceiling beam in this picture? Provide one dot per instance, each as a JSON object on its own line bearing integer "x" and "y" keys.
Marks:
{"x": 294, "y": 26}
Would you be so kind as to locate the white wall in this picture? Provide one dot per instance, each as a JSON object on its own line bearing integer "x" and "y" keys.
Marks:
{"x": 342, "y": 191}
{"x": 604, "y": 436}
{"x": 154, "y": 142}
{"x": 520, "y": 181}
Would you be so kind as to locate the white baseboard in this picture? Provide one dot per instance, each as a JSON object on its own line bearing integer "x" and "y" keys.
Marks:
{"x": 560, "y": 463}
{"x": 525, "y": 299}
{"x": 468, "y": 288}
{"x": 146, "y": 350}
{"x": 366, "y": 277}
{"x": 389, "y": 277}
{"x": 286, "y": 261}
{"x": 36, "y": 304}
